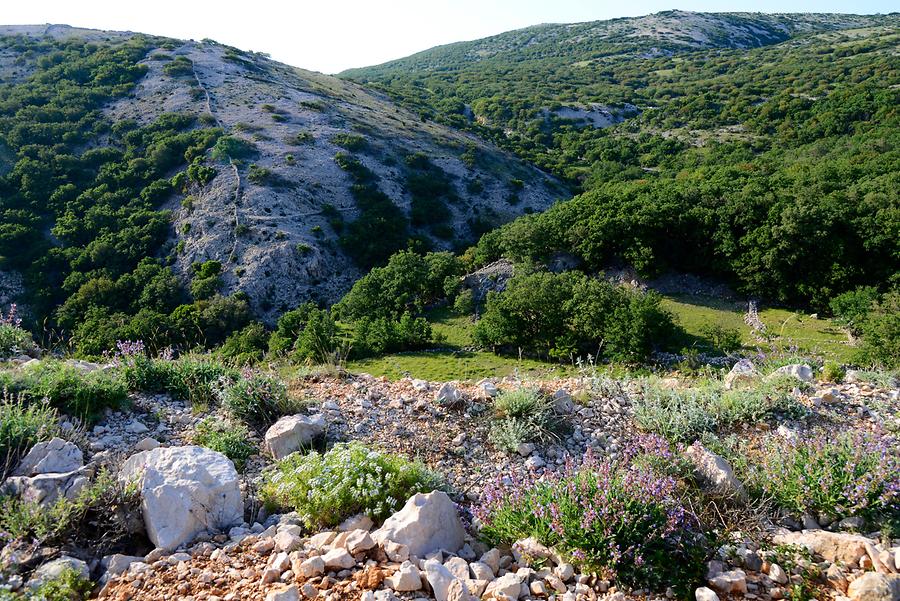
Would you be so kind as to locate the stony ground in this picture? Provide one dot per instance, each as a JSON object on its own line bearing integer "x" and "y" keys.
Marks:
{"x": 446, "y": 426}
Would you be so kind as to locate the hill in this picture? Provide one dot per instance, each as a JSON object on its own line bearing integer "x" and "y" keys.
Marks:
{"x": 118, "y": 146}
{"x": 759, "y": 149}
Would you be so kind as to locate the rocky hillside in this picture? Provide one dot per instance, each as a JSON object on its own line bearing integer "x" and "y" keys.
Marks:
{"x": 651, "y": 35}
{"x": 274, "y": 216}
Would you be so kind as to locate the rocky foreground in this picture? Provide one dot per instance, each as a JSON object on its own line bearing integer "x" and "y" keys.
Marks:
{"x": 199, "y": 531}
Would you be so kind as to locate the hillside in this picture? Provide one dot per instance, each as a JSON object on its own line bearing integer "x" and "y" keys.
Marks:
{"x": 297, "y": 181}
{"x": 758, "y": 149}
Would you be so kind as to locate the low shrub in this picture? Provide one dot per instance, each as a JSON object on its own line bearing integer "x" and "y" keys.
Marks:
{"x": 521, "y": 415}
{"x": 82, "y": 394}
{"x": 722, "y": 339}
{"x": 230, "y": 438}
{"x": 833, "y": 371}
{"x": 854, "y": 474}
{"x": 881, "y": 334}
{"x": 622, "y": 518}
{"x": 247, "y": 346}
{"x": 22, "y": 425}
{"x": 684, "y": 414}
{"x": 68, "y": 585}
{"x": 324, "y": 489}
{"x": 256, "y": 398}
{"x": 98, "y": 514}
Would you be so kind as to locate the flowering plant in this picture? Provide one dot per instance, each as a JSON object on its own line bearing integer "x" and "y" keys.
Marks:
{"x": 348, "y": 479}
{"x": 853, "y": 474}
{"x": 622, "y": 518}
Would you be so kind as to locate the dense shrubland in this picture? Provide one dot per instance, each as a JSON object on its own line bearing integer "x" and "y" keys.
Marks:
{"x": 774, "y": 167}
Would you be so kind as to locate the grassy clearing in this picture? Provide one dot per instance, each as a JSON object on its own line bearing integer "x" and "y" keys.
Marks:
{"x": 814, "y": 337}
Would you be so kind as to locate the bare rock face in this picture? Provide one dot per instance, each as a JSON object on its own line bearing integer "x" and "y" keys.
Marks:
{"x": 184, "y": 491}
{"x": 427, "y": 523}
{"x": 292, "y": 433}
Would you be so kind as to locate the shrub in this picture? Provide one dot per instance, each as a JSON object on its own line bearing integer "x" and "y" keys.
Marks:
{"x": 98, "y": 510}
{"x": 232, "y": 439}
{"x": 81, "y": 394}
{"x": 197, "y": 379}
{"x": 881, "y": 334}
{"x": 255, "y": 397}
{"x": 565, "y": 315}
{"x": 464, "y": 303}
{"x": 246, "y": 346}
{"x": 722, "y": 339}
{"x": 851, "y": 308}
{"x": 382, "y": 335}
{"x": 854, "y": 474}
{"x": 68, "y": 585}
{"x": 622, "y": 518}
{"x": 233, "y": 148}
{"x": 21, "y": 427}
{"x": 833, "y": 371}
{"x": 521, "y": 415}
{"x": 348, "y": 479}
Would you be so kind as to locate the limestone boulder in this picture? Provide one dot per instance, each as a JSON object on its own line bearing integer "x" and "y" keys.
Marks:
{"x": 875, "y": 587}
{"x": 831, "y": 546}
{"x": 52, "y": 457}
{"x": 184, "y": 491}
{"x": 426, "y": 523}
{"x": 801, "y": 371}
{"x": 743, "y": 374}
{"x": 293, "y": 433}
{"x": 714, "y": 472}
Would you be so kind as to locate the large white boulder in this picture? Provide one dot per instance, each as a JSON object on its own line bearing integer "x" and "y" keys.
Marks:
{"x": 55, "y": 456}
{"x": 427, "y": 523}
{"x": 292, "y": 433}
{"x": 184, "y": 491}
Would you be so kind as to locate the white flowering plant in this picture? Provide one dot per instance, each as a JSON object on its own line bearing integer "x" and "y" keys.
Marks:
{"x": 324, "y": 489}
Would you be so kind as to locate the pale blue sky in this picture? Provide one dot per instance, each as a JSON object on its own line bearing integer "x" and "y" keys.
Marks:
{"x": 332, "y": 35}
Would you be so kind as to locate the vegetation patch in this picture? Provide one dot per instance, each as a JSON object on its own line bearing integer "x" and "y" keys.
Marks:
{"x": 324, "y": 489}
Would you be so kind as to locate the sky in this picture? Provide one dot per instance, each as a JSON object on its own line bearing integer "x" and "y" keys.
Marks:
{"x": 333, "y": 35}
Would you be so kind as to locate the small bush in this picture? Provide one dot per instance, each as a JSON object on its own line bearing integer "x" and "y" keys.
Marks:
{"x": 196, "y": 379}
{"x": 247, "y": 346}
{"x": 464, "y": 303}
{"x": 722, "y": 339}
{"x": 69, "y": 585}
{"x": 233, "y": 148}
{"x": 847, "y": 475}
{"x": 881, "y": 334}
{"x": 13, "y": 339}
{"x": 521, "y": 415}
{"x": 256, "y": 398}
{"x": 232, "y": 439}
{"x": 21, "y": 427}
{"x": 833, "y": 371}
{"x": 98, "y": 510}
{"x": 622, "y": 519}
{"x": 78, "y": 393}
{"x": 327, "y": 488}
